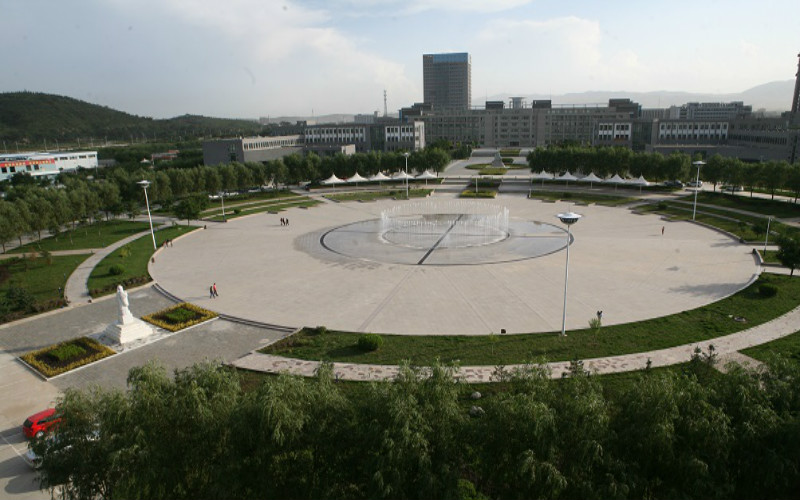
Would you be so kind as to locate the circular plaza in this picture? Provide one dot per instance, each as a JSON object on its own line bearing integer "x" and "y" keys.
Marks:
{"x": 450, "y": 266}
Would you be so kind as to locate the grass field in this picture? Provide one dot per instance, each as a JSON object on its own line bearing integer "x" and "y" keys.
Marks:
{"x": 704, "y": 323}
{"x": 134, "y": 264}
{"x": 582, "y": 197}
{"x": 776, "y": 208}
{"x": 787, "y": 347}
{"x": 376, "y": 195}
{"x": 97, "y": 235}
{"x": 746, "y": 227}
{"x": 256, "y": 209}
{"x": 41, "y": 279}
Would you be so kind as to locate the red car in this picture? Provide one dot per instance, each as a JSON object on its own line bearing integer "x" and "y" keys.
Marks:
{"x": 40, "y": 423}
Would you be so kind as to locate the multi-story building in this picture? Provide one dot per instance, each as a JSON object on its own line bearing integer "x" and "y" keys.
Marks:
{"x": 710, "y": 111}
{"x": 386, "y": 135}
{"x": 447, "y": 80}
{"x": 45, "y": 164}
{"x": 247, "y": 149}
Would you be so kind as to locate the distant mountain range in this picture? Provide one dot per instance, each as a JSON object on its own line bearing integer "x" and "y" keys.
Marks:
{"x": 771, "y": 97}
{"x": 33, "y": 117}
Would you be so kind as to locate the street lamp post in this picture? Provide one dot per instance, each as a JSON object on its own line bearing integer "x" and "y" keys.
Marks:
{"x": 568, "y": 218}
{"x": 766, "y": 238}
{"x": 222, "y": 197}
{"x": 406, "y": 156}
{"x": 145, "y": 183}
{"x": 699, "y": 163}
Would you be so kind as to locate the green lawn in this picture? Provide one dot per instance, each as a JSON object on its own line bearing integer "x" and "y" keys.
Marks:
{"x": 480, "y": 193}
{"x": 375, "y": 195}
{"x": 256, "y": 209}
{"x": 97, "y": 235}
{"x": 501, "y": 170}
{"x": 788, "y": 347}
{"x": 41, "y": 279}
{"x": 101, "y": 281}
{"x": 704, "y": 323}
{"x": 579, "y": 196}
{"x": 746, "y": 227}
{"x": 777, "y": 208}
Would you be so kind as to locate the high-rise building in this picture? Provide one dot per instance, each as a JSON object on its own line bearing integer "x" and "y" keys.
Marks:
{"x": 447, "y": 80}
{"x": 795, "y": 113}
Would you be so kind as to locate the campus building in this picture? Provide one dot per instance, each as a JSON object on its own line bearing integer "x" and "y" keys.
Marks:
{"x": 247, "y": 149}
{"x": 45, "y": 164}
{"x": 447, "y": 80}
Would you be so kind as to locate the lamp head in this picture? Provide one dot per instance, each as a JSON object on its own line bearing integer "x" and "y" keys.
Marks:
{"x": 405, "y": 154}
{"x": 569, "y": 218}
{"x": 699, "y": 163}
{"x": 144, "y": 183}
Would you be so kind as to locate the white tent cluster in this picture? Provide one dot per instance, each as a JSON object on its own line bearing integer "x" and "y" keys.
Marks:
{"x": 380, "y": 177}
{"x": 616, "y": 179}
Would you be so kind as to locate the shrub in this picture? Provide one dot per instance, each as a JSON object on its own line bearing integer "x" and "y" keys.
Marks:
{"x": 766, "y": 290}
{"x": 320, "y": 330}
{"x": 370, "y": 342}
{"x": 48, "y": 365}
{"x": 180, "y": 315}
{"x": 19, "y": 299}
{"x": 237, "y": 211}
{"x": 566, "y": 196}
{"x": 116, "y": 270}
{"x": 125, "y": 252}
{"x": 662, "y": 206}
{"x": 66, "y": 352}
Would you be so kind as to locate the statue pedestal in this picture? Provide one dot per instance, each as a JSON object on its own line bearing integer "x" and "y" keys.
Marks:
{"x": 122, "y": 333}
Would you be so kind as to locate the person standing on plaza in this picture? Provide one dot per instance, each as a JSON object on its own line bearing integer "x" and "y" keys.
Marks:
{"x": 214, "y": 288}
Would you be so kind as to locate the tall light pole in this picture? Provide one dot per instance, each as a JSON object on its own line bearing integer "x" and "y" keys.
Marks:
{"x": 145, "y": 183}
{"x": 222, "y": 197}
{"x": 568, "y": 218}
{"x": 406, "y": 156}
{"x": 766, "y": 238}
{"x": 699, "y": 163}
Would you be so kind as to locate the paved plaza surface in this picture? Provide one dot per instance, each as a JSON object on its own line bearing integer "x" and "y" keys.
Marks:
{"x": 620, "y": 263}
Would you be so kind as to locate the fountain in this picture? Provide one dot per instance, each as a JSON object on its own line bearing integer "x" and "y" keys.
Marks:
{"x": 444, "y": 224}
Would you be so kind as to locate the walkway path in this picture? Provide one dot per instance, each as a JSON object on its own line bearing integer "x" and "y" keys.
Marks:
{"x": 724, "y": 346}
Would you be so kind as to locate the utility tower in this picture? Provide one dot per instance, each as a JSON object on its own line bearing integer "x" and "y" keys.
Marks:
{"x": 385, "y": 108}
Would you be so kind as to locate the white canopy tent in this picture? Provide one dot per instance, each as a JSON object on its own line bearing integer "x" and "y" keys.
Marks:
{"x": 356, "y": 179}
{"x": 616, "y": 180}
{"x": 401, "y": 176}
{"x": 379, "y": 177}
{"x": 332, "y": 181}
{"x": 591, "y": 179}
{"x": 426, "y": 175}
{"x": 566, "y": 176}
{"x": 641, "y": 182}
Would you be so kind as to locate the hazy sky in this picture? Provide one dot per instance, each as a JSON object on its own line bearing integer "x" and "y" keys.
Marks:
{"x": 251, "y": 58}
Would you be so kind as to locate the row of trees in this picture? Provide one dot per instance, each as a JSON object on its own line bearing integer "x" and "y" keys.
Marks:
{"x": 660, "y": 435}
{"x": 772, "y": 176}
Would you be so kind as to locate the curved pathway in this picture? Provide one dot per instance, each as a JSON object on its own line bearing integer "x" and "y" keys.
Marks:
{"x": 725, "y": 347}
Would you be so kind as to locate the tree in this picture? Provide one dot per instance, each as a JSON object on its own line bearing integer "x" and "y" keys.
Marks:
{"x": 774, "y": 175}
{"x": 190, "y": 207}
{"x": 8, "y": 227}
{"x": 789, "y": 252}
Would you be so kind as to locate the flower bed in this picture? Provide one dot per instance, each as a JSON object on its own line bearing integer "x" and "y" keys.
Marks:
{"x": 60, "y": 358}
{"x": 179, "y": 316}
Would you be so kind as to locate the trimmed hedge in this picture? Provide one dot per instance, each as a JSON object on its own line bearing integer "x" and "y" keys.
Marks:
{"x": 128, "y": 283}
{"x": 65, "y": 356}
{"x": 179, "y": 316}
{"x": 467, "y": 193}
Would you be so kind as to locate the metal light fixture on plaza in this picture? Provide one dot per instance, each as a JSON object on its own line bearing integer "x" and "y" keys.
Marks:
{"x": 145, "y": 183}
{"x": 406, "y": 156}
{"x": 699, "y": 164}
{"x": 568, "y": 218}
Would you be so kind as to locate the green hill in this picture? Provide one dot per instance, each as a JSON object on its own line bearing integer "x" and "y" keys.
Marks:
{"x": 31, "y": 118}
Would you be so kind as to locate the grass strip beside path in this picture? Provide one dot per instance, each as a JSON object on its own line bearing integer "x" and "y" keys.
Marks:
{"x": 377, "y": 195}
{"x": 787, "y": 347}
{"x": 135, "y": 264}
{"x": 304, "y": 203}
{"x": 778, "y": 208}
{"x": 42, "y": 279}
{"x": 598, "y": 199}
{"x": 97, "y": 235}
{"x": 707, "y": 322}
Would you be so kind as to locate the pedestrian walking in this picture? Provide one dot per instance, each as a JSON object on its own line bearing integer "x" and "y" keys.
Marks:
{"x": 662, "y": 230}
{"x": 214, "y": 287}
{"x": 211, "y": 292}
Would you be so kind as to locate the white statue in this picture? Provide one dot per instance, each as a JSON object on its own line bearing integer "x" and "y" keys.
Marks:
{"x": 125, "y": 316}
